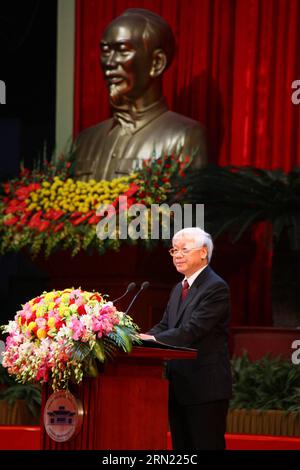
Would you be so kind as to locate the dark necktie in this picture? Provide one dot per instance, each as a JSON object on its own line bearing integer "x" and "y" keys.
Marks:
{"x": 185, "y": 289}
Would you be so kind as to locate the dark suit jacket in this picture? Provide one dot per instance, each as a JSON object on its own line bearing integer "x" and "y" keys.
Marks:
{"x": 200, "y": 322}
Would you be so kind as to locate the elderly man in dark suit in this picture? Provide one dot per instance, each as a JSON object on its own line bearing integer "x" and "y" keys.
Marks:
{"x": 197, "y": 316}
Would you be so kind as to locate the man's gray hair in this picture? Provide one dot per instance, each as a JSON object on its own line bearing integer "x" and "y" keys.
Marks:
{"x": 200, "y": 237}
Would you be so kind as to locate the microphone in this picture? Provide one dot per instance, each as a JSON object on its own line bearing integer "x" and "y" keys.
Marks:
{"x": 143, "y": 287}
{"x": 130, "y": 287}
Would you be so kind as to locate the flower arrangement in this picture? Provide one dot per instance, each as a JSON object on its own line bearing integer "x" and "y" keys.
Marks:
{"x": 61, "y": 335}
{"x": 48, "y": 208}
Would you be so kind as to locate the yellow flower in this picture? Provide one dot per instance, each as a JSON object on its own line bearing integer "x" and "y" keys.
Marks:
{"x": 40, "y": 312}
{"x": 51, "y": 305}
{"x": 41, "y": 333}
{"x": 63, "y": 310}
{"x": 31, "y": 325}
{"x": 49, "y": 296}
{"x": 51, "y": 322}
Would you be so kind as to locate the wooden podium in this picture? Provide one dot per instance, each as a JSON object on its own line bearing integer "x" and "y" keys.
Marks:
{"x": 126, "y": 406}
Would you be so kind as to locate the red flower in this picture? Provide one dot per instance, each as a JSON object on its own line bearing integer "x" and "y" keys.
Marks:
{"x": 23, "y": 219}
{"x": 97, "y": 297}
{"x": 14, "y": 206}
{"x": 59, "y": 324}
{"x": 31, "y": 318}
{"x": 43, "y": 226}
{"x": 81, "y": 309}
{"x": 11, "y": 221}
{"x": 34, "y": 330}
{"x": 83, "y": 218}
{"x": 58, "y": 227}
{"x": 53, "y": 214}
{"x": 94, "y": 219}
{"x": 75, "y": 214}
{"x": 23, "y": 192}
{"x": 6, "y": 187}
{"x": 133, "y": 188}
{"x": 35, "y": 220}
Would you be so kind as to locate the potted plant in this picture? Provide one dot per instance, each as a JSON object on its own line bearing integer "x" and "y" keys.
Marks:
{"x": 266, "y": 397}
{"x": 19, "y": 404}
{"x": 236, "y": 199}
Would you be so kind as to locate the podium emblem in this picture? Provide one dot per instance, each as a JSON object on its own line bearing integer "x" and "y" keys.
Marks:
{"x": 63, "y": 416}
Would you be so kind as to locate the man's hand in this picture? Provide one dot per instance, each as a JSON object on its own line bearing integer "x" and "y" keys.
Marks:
{"x": 146, "y": 337}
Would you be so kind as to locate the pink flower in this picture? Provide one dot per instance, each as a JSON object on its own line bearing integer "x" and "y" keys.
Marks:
{"x": 107, "y": 309}
{"x": 41, "y": 322}
{"x": 76, "y": 327}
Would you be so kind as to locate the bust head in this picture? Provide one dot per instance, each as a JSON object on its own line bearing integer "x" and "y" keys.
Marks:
{"x": 136, "y": 48}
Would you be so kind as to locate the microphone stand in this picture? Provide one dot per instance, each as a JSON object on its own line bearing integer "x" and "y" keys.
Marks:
{"x": 130, "y": 287}
{"x": 143, "y": 287}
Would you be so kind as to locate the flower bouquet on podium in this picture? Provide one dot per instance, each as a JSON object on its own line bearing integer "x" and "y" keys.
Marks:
{"x": 60, "y": 336}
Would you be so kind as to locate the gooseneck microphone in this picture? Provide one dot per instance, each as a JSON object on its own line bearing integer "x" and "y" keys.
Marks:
{"x": 143, "y": 287}
{"x": 130, "y": 287}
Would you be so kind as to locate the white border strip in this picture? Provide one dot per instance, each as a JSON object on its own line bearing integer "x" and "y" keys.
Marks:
{"x": 65, "y": 73}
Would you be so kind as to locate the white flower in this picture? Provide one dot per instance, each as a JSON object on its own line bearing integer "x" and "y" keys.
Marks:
{"x": 91, "y": 308}
{"x": 73, "y": 308}
{"x": 86, "y": 320}
{"x": 12, "y": 327}
{"x": 64, "y": 332}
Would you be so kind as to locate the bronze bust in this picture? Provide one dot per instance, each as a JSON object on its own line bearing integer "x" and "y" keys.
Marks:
{"x": 136, "y": 49}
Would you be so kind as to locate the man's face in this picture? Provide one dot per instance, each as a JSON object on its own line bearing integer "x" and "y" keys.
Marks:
{"x": 194, "y": 258}
{"x": 125, "y": 61}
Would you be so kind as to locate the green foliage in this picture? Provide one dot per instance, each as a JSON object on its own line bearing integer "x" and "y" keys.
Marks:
{"x": 15, "y": 391}
{"x": 266, "y": 384}
{"x": 30, "y": 393}
{"x": 5, "y": 378}
{"x": 235, "y": 198}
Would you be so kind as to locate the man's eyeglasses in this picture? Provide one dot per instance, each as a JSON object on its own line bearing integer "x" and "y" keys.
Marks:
{"x": 183, "y": 251}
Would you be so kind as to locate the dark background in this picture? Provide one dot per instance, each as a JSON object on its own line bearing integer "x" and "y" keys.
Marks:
{"x": 27, "y": 120}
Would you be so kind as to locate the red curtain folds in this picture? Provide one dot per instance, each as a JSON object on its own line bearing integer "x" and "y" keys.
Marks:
{"x": 235, "y": 64}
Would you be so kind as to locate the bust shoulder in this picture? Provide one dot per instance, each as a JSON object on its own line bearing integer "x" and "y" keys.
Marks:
{"x": 182, "y": 122}
{"x": 92, "y": 132}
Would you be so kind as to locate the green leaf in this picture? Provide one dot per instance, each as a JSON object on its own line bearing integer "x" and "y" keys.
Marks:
{"x": 92, "y": 368}
{"x": 80, "y": 351}
{"x": 269, "y": 383}
{"x": 99, "y": 350}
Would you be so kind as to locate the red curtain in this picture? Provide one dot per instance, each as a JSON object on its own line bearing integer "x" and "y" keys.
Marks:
{"x": 235, "y": 64}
